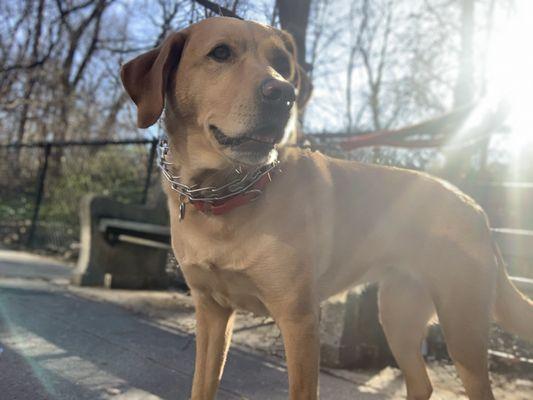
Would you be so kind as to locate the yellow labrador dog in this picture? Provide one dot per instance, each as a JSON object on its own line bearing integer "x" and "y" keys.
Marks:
{"x": 274, "y": 229}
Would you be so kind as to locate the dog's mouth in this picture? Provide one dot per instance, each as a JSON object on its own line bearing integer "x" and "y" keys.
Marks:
{"x": 264, "y": 136}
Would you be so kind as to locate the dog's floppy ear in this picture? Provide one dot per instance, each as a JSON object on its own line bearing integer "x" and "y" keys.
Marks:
{"x": 145, "y": 78}
{"x": 300, "y": 79}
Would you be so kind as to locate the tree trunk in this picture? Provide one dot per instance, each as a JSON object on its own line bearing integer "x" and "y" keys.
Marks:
{"x": 28, "y": 89}
{"x": 464, "y": 86}
{"x": 294, "y": 18}
{"x": 458, "y": 161}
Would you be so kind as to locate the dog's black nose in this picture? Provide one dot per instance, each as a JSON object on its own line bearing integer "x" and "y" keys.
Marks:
{"x": 277, "y": 92}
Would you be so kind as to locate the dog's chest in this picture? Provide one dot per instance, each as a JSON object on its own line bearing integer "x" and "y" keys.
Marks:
{"x": 225, "y": 262}
{"x": 232, "y": 289}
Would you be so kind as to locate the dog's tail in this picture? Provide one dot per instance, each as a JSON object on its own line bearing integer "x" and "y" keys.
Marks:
{"x": 513, "y": 311}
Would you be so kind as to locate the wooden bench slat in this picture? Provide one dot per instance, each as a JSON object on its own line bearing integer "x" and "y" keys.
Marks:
{"x": 106, "y": 223}
{"x": 514, "y": 242}
{"x": 525, "y": 285}
{"x": 511, "y": 231}
{"x": 143, "y": 242}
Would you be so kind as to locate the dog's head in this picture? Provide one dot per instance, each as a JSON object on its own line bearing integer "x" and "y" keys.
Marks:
{"x": 232, "y": 87}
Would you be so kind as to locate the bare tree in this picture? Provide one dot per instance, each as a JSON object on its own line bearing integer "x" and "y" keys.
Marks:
{"x": 374, "y": 64}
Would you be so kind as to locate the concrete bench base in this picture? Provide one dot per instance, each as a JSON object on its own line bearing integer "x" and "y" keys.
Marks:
{"x": 118, "y": 265}
{"x": 350, "y": 333}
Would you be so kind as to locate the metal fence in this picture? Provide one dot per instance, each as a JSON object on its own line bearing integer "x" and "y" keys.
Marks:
{"x": 41, "y": 185}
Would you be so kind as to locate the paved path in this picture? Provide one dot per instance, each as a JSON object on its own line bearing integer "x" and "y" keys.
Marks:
{"x": 56, "y": 345}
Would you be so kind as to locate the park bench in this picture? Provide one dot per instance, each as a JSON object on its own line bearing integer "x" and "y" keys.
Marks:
{"x": 123, "y": 246}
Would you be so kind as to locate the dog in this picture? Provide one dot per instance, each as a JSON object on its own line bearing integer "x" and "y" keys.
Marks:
{"x": 273, "y": 229}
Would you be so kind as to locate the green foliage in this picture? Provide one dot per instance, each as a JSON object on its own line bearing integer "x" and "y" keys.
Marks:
{"x": 112, "y": 171}
{"x": 117, "y": 171}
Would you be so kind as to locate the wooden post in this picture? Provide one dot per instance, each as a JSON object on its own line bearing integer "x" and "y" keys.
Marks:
{"x": 149, "y": 167}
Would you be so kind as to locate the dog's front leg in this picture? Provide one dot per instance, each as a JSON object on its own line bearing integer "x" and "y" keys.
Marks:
{"x": 214, "y": 325}
{"x": 299, "y": 327}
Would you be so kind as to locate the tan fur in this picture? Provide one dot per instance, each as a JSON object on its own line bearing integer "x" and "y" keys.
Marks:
{"x": 321, "y": 226}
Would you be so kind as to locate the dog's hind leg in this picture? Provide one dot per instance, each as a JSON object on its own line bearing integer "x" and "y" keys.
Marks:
{"x": 463, "y": 299}
{"x": 405, "y": 308}
{"x": 214, "y": 326}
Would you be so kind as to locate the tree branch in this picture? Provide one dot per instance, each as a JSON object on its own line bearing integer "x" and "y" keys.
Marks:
{"x": 217, "y": 9}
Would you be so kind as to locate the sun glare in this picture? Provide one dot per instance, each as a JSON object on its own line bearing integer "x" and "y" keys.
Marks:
{"x": 510, "y": 72}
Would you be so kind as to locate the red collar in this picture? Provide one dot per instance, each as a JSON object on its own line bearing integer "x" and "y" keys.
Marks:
{"x": 223, "y": 206}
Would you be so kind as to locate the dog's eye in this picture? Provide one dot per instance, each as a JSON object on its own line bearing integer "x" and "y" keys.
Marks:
{"x": 282, "y": 65}
{"x": 220, "y": 53}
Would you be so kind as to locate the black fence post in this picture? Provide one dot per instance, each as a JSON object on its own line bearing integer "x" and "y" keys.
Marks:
{"x": 40, "y": 189}
{"x": 149, "y": 168}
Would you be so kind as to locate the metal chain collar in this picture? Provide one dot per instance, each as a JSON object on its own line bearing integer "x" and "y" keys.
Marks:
{"x": 243, "y": 184}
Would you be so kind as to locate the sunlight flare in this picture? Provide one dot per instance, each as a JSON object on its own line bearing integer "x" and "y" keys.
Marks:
{"x": 510, "y": 72}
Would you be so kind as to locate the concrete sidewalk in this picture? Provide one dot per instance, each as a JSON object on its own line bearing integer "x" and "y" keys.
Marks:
{"x": 62, "y": 342}
{"x": 58, "y": 345}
